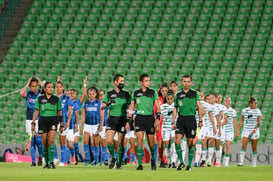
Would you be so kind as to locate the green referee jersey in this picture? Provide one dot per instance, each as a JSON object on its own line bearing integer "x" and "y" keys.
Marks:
{"x": 145, "y": 101}
{"x": 48, "y": 107}
{"x": 122, "y": 100}
{"x": 186, "y": 102}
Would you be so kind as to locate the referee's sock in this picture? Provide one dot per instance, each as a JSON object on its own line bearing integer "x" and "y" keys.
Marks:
{"x": 190, "y": 155}
{"x": 111, "y": 150}
{"x": 139, "y": 154}
{"x": 46, "y": 155}
{"x": 121, "y": 152}
{"x": 179, "y": 152}
{"x": 51, "y": 150}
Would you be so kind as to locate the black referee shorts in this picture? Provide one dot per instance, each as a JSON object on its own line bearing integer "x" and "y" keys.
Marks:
{"x": 186, "y": 125}
{"x": 117, "y": 124}
{"x": 47, "y": 124}
{"x": 145, "y": 123}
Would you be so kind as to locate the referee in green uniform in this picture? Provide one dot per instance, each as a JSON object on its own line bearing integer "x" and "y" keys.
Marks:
{"x": 118, "y": 101}
{"x": 49, "y": 108}
{"x": 185, "y": 103}
{"x": 143, "y": 100}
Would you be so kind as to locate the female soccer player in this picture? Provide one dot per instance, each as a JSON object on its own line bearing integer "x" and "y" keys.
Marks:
{"x": 251, "y": 116}
{"x": 67, "y": 114}
{"x": 230, "y": 119}
{"x": 31, "y": 97}
{"x": 93, "y": 118}
{"x": 49, "y": 108}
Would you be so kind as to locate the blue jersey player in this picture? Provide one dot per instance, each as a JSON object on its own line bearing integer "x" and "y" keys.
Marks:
{"x": 31, "y": 97}
{"x": 92, "y": 116}
{"x": 67, "y": 114}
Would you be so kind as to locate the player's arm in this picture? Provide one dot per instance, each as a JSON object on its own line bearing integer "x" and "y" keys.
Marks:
{"x": 131, "y": 110}
{"x": 225, "y": 120}
{"x": 101, "y": 119}
{"x": 174, "y": 117}
{"x": 82, "y": 119}
{"x": 84, "y": 91}
{"x": 158, "y": 114}
{"x": 35, "y": 115}
{"x": 235, "y": 126}
{"x": 40, "y": 82}
{"x": 212, "y": 122}
{"x": 77, "y": 120}
{"x": 200, "y": 113}
{"x": 60, "y": 117}
{"x": 218, "y": 124}
{"x": 241, "y": 123}
{"x": 69, "y": 116}
{"x": 23, "y": 92}
{"x": 259, "y": 121}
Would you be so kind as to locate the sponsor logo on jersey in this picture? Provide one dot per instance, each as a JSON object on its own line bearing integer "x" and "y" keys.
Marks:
{"x": 139, "y": 94}
{"x": 91, "y": 109}
{"x": 182, "y": 96}
{"x": 43, "y": 101}
{"x": 63, "y": 100}
{"x": 113, "y": 95}
{"x": 30, "y": 100}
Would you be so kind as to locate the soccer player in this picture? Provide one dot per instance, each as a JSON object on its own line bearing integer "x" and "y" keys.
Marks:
{"x": 118, "y": 101}
{"x": 104, "y": 154}
{"x": 143, "y": 100}
{"x": 251, "y": 117}
{"x": 73, "y": 126}
{"x": 67, "y": 114}
{"x": 173, "y": 86}
{"x": 79, "y": 102}
{"x": 214, "y": 132}
{"x": 185, "y": 103}
{"x": 92, "y": 116}
{"x": 204, "y": 132}
{"x": 49, "y": 108}
{"x": 230, "y": 119}
{"x": 159, "y": 147}
{"x": 167, "y": 111}
{"x": 31, "y": 97}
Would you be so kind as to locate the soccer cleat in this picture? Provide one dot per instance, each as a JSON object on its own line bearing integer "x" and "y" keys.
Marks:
{"x": 180, "y": 166}
{"x": 133, "y": 163}
{"x": 106, "y": 163}
{"x": 52, "y": 165}
{"x": 61, "y": 164}
{"x": 46, "y": 166}
{"x": 203, "y": 164}
{"x": 126, "y": 161}
{"x": 170, "y": 166}
{"x": 173, "y": 165}
{"x": 40, "y": 161}
{"x": 56, "y": 160}
{"x": 240, "y": 165}
{"x": 188, "y": 168}
{"x": 163, "y": 165}
{"x": 73, "y": 160}
{"x": 113, "y": 163}
{"x": 33, "y": 164}
{"x": 118, "y": 166}
{"x": 77, "y": 160}
{"x": 140, "y": 167}
{"x": 217, "y": 164}
{"x": 209, "y": 164}
{"x": 196, "y": 164}
{"x": 153, "y": 165}
{"x": 66, "y": 164}
{"x": 87, "y": 163}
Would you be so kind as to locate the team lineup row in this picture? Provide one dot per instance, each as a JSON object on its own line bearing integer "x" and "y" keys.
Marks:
{"x": 165, "y": 116}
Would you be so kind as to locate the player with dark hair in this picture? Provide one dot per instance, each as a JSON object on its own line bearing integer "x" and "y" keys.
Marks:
{"x": 118, "y": 101}
{"x": 92, "y": 116}
{"x": 251, "y": 116}
{"x": 49, "y": 108}
{"x": 67, "y": 114}
{"x": 31, "y": 98}
{"x": 185, "y": 103}
{"x": 143, "y": 100}
{"x": 173, "y": 86}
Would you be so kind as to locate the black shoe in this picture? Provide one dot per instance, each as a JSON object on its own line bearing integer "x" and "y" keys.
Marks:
{"x": 118, "y": 166}
{"x": 180, "y": 166}
{"x": 106, "y": 163}
{"x": 153, "y": 165}
{"x": 33, "y": 164}
{"x": 52, "y": 165}
{"x": 170, "y": 166}
{"x": 113, "y": 163}
{"x": 126, "y": 161}
{"x": 163, "y": 165}
{"x": 188, "y": 168}
{"x": 203, "y": 163}
{"x": 40, "y": 161}
{"x": 140, "y": 167}
{"x": 46, "y": 166}
{"x": 77, "y": 160}
{"x": 173, "y": 165}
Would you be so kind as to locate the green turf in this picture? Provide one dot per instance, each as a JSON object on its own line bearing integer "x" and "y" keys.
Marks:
{"x": 22, "y": 171}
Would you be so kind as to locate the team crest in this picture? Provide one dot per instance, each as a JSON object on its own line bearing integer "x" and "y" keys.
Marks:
{"x": 192, "y": 132}
{"x": 152, "y": 130}
{"x": 53, "y": 127}
{"x": 138, "y": 101}
{"x": 122, "y": 129}
{"x": 30, "y": 100}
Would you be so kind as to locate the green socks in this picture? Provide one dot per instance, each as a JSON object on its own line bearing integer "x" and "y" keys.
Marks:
{"x": 111, "y": 150}
{"x": 45, "y": 152}
{"x": 51, "y": 150}
{"x": 179, "y": 152}
{"x": 120, "y": 152}
{"x": 191, "y": 155}
{"x": 139, "y": 154}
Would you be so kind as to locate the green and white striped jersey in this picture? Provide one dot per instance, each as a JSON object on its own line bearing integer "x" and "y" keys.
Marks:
{"x": 215, "y": 112}
{"x": 205, "y": 117}
{"x": 231, "y": 113}
{"x": 167, "y": 112}
{"x": 221, "y": 108}
{"x": 250, "y": 118}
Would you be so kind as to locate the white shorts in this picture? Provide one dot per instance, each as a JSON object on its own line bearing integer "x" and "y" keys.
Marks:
{"x": 78, "y": 132}
{"x": 204, "y": 132}
{"x": 70, "y": 135}
{"x": 103, "y": 133}
{"x": 116, "y": 136}
{"x": 247, "y": 133}
{"x": 130, "y": 134}
{"x": 65, "y": 131}
{"x": 211, "y": 135}
{"x": 223, "y": 135}
{"x": 91, "y": 129}
{"x": 167, "y": 134}
{"x": 28, "y": 126}
{"x": 228, "y": 136}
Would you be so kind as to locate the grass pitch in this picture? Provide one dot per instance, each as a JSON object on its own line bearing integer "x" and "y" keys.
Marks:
{"x": 23, "y": 172}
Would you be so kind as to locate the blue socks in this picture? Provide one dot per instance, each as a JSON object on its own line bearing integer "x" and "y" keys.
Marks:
{"x": 103, "y": 154}
{"x": 77, "y": 149}
{"x": 36, "y": 141}
{"x": 155, "y": 152}
{"x": 132, "y": 157}
{"x": 87, "y": 152}
{"x": 39, "y": 143}
{"x": 125, "y": 154}
{"x": 55, "y": 152}
{"x": 67, "y": 154}
{"x": 33, "y": 150}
